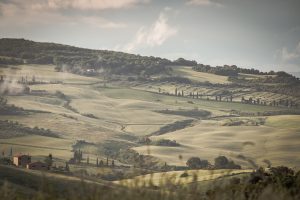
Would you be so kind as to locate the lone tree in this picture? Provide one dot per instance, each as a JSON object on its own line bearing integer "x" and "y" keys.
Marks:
{"x": 49, "y": 160}
{"x": 67, "y": 168}
{"x": 33, "y": 79}
{"x": 11, "y": 152}
{"x": 112, "y": 163}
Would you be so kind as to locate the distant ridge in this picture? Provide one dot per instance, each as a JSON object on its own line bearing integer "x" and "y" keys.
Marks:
{"x": 79, "y": 60}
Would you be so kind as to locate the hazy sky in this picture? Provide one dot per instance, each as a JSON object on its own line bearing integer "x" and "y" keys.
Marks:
{"x": 264, "y": 34}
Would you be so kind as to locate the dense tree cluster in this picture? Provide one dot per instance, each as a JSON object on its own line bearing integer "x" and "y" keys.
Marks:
{"x": 222, "y": 162}
{"x": 160, "y": 142}
{"x": 229, "y": 70}
{"x": 10, "y": 61}
{"x": 197, "y": 163}
{"x": 184, "y": 62}
{"x": 166, "y": 142}
{"x": 224, "y": 71}
{"x": 276, "y": 183}
{"x": 9, "y": 109}
{"x": 173, "y": 127}
{"x": 77, "y": 156}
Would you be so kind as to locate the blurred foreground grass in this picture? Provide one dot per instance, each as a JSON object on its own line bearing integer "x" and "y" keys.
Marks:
{"x": 275, "y": 183}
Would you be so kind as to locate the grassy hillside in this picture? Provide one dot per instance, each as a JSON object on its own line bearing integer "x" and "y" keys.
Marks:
{"x": 25, "y": 184}
{"x": 137, "y": 120}
{"x": 148, "y": 121}
{"x": 277, "y": 142}
{"x": 114, "y": 115}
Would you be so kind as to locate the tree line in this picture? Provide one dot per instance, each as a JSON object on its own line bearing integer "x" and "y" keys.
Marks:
{"x": 229, "y": 70}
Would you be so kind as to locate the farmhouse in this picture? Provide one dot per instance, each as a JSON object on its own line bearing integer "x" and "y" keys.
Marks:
{"x": 21, "y": 160}
{"x": 37, "y": 166}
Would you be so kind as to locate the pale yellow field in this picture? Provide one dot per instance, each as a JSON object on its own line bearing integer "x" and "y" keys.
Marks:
{"x": 38, "y": 146}
{"x": 44, "y": 73}
{"x": 290, "y": 122}
{"x": 121, "y": 111}
{"x": 279, "y": 144}
{"x": 188, "y": 72}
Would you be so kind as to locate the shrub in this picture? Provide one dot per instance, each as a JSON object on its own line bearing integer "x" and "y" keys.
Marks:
{"x": 197, "y": 163}
{"x": 222, "y": 162}
{"x": 184, "y": 174}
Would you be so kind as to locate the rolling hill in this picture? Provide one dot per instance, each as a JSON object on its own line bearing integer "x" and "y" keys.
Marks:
{"x": 118, "y": 107}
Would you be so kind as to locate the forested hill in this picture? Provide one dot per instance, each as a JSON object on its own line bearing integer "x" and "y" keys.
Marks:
{"x": 78, "y": 60}
{"x": 88, "y": 62}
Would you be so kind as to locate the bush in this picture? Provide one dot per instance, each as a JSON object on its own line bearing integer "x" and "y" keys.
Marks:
{"x": 197, "y": 163}
{"x": 184, "y": 174}
{"x": 222, "y": 162}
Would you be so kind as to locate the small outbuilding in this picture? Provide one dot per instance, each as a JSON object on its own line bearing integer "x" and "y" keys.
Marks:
{"x": 21, "y": 160}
